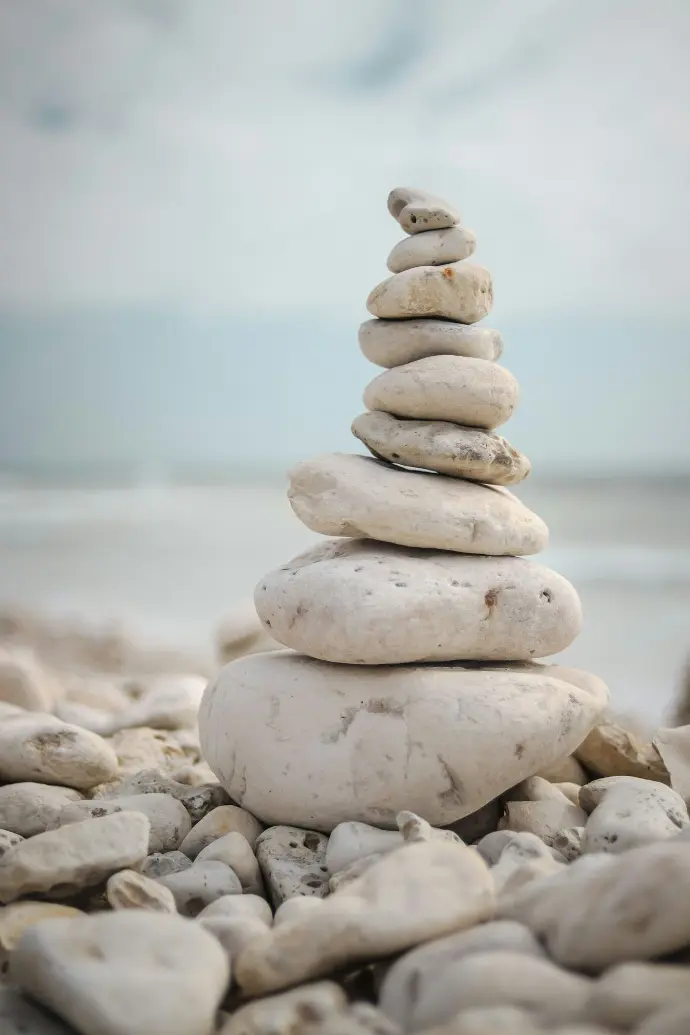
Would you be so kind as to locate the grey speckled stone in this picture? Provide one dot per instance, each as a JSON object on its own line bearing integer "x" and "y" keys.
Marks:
{"x": 293, "y": 862}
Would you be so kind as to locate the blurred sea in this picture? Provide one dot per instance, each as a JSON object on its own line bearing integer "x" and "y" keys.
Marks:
{"x": 167, "y": 558}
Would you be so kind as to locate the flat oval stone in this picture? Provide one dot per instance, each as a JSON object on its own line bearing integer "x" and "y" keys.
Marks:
{"x": 460, "y": 291}
{"x": 472, "y": 392}
{"x": 365, "y": 603}
{"x": 417, "y": 211}
{"x": 435, "y": 445}
{"x": 442, "y": 740}
{"x": 357, "y": 496}
{"x": 432, "y": 248}
{"x": 389, "y": 343}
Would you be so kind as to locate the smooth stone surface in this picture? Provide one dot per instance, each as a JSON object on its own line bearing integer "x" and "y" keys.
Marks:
{"x": 41, "y": 747}
{"x": 566, "y": 770}
{"x": 233, "y": 907}
{"x": 359, "y": 602}
{"x": 417, "y": 210}
{"x": 610, "y": 750}
{"x": 25, "y": 683}
{"x": 460, "y": 291}
{"x": 20, "y": 1016}
{"x": 350, "y": 842}
{"x": 673, "y": 1020}
{"x": 450, "y": 449}
{"x": 626, "y": 812}
{"x": 31, "y": 808}
{"x": 340, "y": 494}
{"x": 168, "y": 702}
{"x": 20, "y": 916}
{"x": 497, "y": 1020}
{"x": 160, "y": 864}
{"x": 220, "y": 821}
{"x": 125, "y": 973}
{"x": 285, "y": 1014}
{"x": 293, "y": 862}
{"x": 418, "y": 892}
{"x": 390, "y": 343}
{"x": 234, "y": 933}
{"x": 625, "y": 995}
{"x": 234, "y": 850}
{"x": 674, "y": 747}
{"x": 382, "y": 740}
{"x": 547, "y": 819}
{"x": 200, "y": 885}
{"x": 74, "y": 857}
{"x": 169, "y": 820}
{"x": 432, "y": 248}
{"x": 411, "y": 978}
{"x": 197, "y": 800}
{"x": 472, "y": 392}
{"x": 128, "y": 889}
{"x": 638, "y": 907}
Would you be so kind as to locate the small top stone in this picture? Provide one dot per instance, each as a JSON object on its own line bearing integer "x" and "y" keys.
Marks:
{"x": 416, "y": 210}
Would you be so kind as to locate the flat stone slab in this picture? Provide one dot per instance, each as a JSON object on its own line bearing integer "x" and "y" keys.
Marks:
{"x": 390, "y": 343}
{"x": 460, "y": 291}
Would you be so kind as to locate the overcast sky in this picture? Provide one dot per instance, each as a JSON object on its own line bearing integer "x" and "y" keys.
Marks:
{"x": 192, "y": 212}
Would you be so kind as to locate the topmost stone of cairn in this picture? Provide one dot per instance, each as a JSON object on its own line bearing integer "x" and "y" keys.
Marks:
{"x": 417, "y": 211}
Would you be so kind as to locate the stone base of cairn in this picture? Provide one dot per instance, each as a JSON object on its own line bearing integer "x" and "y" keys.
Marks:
{"x": 411, "y": 682}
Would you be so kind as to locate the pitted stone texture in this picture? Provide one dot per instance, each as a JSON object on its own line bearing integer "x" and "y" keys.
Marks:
{"x": 358, "y": 602}
{"x": 432, "y": 248}
{"x": 441, "y": 740}
{"x": 626, "y": 812}
{"x": 35, "y": 746}
{"x": 417, "y": 210}
{"x": 450, "y": 449}
{"x": 293, "y": 862}
{"x": 198, "y": 800}
{"x": 472, "y": 392}
{"x": 390, "y": 343}
{"x": 357, "y": 496}
{"x": 460, "y": 291}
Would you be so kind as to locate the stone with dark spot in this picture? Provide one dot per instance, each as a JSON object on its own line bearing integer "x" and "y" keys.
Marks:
{"x": 293, "y": 862}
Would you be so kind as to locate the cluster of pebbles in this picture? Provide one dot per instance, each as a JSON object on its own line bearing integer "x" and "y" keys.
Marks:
{"x": 376, "y": 844}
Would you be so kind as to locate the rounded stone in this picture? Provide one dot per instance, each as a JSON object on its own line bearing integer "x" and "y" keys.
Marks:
{"x": 359, "y": 602}
{"x": 473, "y": 392}
{"x": 432, "y": 248}
{"x": 357, "y": 496}
{"x": 441, "y": 740}
{"x": 460, "y": 291}
{"x": 416, "y": 210}
{"x": 434, "y": 445}
{"x": 390, "y": 343}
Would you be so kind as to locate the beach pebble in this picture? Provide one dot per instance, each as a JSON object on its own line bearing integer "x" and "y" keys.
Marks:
{"x": 352, "y": 841}
{"x": 473, "y": 392}
{"x": 220, "y": 821}
{"x": 416, "y": 893}
{"x": 626, "y": 812}
{"x": 412, "y": 978}
{"x": 242, "y": 633}
{"x": 347, "y": 495}
{"x": 610, "y": 750}
{"x": 128, "y": 889}
{"x": 477, "y": 732}
{"x": 198, "y": 801}
{"x": 234, "y": 933}
{"x": 523, "y": 845}
{"x": 358, "y": 602}
{"x": 20, "y": 1016}
{"x": 160, "y": 864}
{"x": 168, "y": 818}
{"x": 200, "y": 885}
{"x": 566, "y": 770}
{"x": 569, "y": 843}
{"x": 390, "y": 343}
{"x": 25, "y": 683}
{"x": 39, "y": 747}
{"x": 8, "y": 840}
{"x": 417, "y": 210}
{"x": 353, "y": 870}
{"x": 293, "y": 862}
{"x": 167, "y": 703}
{"x": 536, "y": 788}
{"x": 460, "y": 291}
{"x": 672, "y": 1020}
{"x": 235, "y": 907}
{"x": 479, "y": 823}
{"x": 142, "y": 748}
{"x": 625, "y": 995}
{"x": 674, "y": 747}
{"x": 235, "y": 851}
{"x": 289, "y": 1013}
{"x": 547, "y": 819}
{"x": 432, "y": 248}
{"x": 131, "y": 972}
{"x": 31, "y": 808}
{"x": 98, "y": 694}
{"x": 494, "y": 1020}
{"x": 19, "y": 916}
{"x": 295, "y": 907}
{"x": 638, "y": 907}
{"x": 74, "y": 857}
{"x": 435, "y": 445}
{"x": 10, "y": 711}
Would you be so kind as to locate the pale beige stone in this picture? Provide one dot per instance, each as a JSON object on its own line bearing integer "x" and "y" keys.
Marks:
{"x": 30, "y": 808}
{"x": 357, "y": 496}
{"x": 40, "y": 747}
{"x": 626, "y": 812}
{"x": 547, "y": 819}
{"x": 625, "y": 995}
{"x": 460, "y": 291}
{"x": 441, "y": 740}
{"x": 450, "y": 449}
{"x": 610, "y": 750}
{"x": 234, "y": 907}
{"x": 359, "y": 602}
{"x": 417, "y": 210}
{"x": 20, "y": 916}
{"x": 200, "y": 885}
{"x": 234, "y": 850}
{"x": 566, "y": 770}
{"x": 672, "y": 1020}
{"x": 19, "y": 1015}
{"x": 472, "y": 392}
{"x": 286, "y": 1014}
{"x": 432, "y": 248}
{"x": 142, "y": 748}
{"x": 390, "y": 343}
{"x": 220, "y": 821}
{"x": 674, "y": 747}
{"x": 169, "y": 820}
{"x": 293, "y": 862}
{"x": 25, "y": 683}
{"x": 128, "y": 889}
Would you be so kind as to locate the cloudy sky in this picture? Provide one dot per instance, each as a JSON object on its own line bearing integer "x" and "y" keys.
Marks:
{"x": 192, "y": 212}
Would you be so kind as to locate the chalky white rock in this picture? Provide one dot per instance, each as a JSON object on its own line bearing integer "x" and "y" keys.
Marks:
{"x": 432, "y": 248}
{"x": 293, "y": 862}
{"x": 367, "y": 603}
{"x": 626, "y": 811}
{"x": 220, "y": 821}
{"x": 441, "y": 740}
{"x": 35, "y": 746}
{"x": 169, "y": 820}
{"x": 390, "y": 343}
{"x": 417, "y": 210}
{"x": 460, "y": 291}
{"x": 31, "y": 808}
{"x": 234, "y": 850}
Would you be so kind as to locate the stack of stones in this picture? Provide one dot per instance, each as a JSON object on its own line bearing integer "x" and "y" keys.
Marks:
{"x": 410, "y": 681}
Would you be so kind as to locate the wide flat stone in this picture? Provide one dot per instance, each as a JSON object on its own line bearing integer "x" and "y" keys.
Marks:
{"x": 417, "y": 211}
{"x": 461, "y": 291}
{"x": 390, "y": 343}
{"x": 432, "y": 248}
{"x": 357, "y": 496}
{"x": 472, "y": 392}
{"x": 441, "y": 740}
{"x": 440, "y": 446}
{"x": 360, "y": 602}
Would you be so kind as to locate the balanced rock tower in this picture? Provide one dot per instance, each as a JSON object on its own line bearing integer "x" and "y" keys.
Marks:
{"x": 410, "y": 681}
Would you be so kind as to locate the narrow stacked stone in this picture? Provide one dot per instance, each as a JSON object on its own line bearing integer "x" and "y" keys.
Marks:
{"x": 425, "y": 565}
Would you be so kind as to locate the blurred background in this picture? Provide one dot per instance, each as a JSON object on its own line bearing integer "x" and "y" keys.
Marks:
{"x": 192, "y": 213}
